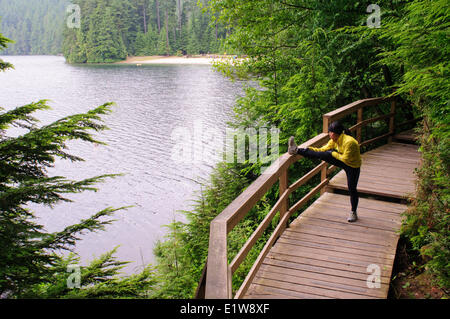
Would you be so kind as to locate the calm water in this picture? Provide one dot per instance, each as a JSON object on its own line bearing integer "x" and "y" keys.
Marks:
{"x": 153, "y": 102}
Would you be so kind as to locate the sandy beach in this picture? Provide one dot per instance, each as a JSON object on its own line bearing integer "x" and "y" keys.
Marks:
{"x": 204, "y": 60}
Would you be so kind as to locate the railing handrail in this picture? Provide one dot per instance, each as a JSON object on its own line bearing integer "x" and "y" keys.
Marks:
{"x": 219, "y": 273}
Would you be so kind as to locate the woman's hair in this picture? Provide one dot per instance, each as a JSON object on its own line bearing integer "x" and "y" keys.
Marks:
{"x": 336, "y": 127}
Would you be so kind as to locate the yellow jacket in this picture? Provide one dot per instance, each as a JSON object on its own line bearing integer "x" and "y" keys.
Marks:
{"x": 346, "y": 150}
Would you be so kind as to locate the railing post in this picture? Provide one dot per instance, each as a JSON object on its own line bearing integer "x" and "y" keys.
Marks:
{"x": 284, "y": 184}
{"x": 323, "y": 176}
{"x": 218, "y": 275}
{"x": 323, "y": 171}
{"x": 391, "y": 121}
{"x": 326, "y": 124}
{"x": 359, "y": 120}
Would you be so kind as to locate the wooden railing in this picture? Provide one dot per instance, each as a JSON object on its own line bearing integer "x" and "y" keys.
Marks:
{"x": 216, "y": 280}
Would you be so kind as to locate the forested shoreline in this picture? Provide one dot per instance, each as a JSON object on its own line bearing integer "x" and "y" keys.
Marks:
{"x": 112, "y": 30}
{"x": 104, "y": 31}
{"x": 310, "y": 57}
{"x": 36, "y": 26}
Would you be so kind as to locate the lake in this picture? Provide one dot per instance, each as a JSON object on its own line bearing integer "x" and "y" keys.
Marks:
{"x": 153, "y": 102}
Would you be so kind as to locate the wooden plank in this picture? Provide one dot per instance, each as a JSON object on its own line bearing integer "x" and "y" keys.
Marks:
{"x": 321, "y": 280}
{"x": 268, "y": 296}
{"x": 380, "y": 185}
{"x": 329, "y": 212}
{"x": 376, "y": 189}
{"x": 390, "y": 156}
{"x": 262, "y": 288}
{"x": 395, "y": 149}
{"x": 283, "y": 187}
{"x": 400, "y": 173}
{"x": 391, "y": 120}
{"x": 388, "y": 163}
{"x": 308, "y": 289}
{"x": 330, "y": 255}
{"x": 372, "y": 176}
{"x": 320, "y": 269}
{"x": 359, "y": 119}
{"x": 398, "y": 148}
{"x": 377, "y": 216}
{"x": 369, "y": 205}
{"x": 402, "y": 145}
{"x": 334, "y": 241}
{"x": 356, "y": 229}
{"x": 373, "y": 161}
{"x": 315, "y": 228}
{"x": 217, "y": 280}
{"x": 381, "y": 161}
{"x": 324, "y": 264}
{"x": 388, "y": 207}
{"x": 384, "y": 178}
{"x": 328, "y": 246}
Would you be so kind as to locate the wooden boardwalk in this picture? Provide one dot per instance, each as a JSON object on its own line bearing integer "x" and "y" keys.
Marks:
{"x": 321, "y": 255}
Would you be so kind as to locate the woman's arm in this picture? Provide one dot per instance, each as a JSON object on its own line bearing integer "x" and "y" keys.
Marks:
{"x": 329, "y": 146}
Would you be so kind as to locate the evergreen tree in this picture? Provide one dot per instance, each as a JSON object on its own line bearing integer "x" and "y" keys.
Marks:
{"x": 36, "y": 25}
{"x": 111, "y": 30}
{"x": 103, "y": 41}
{"x": 30, "y": 265}
{"x": 421, "y": 34}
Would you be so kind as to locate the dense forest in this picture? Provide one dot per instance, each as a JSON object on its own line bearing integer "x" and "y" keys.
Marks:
{"x": 111, "y": 30}
{"x": 34, "y": 25}
{"x": 310, "y": 57}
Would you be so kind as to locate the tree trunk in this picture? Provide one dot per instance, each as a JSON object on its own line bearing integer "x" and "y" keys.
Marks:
{"x": 179, "y": 14}
{"x": 157, "y": 16}
{"x": 145, "y": 18}
{"x": 166, "y": 23}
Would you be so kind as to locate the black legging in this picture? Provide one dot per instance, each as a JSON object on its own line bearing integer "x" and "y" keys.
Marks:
{"x": 352, "y": 173}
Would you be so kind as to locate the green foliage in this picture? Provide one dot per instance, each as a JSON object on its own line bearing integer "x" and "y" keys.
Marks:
{"x": 30, "y": 266}
{"x": 3, "y": 44}
{"x": 35, "y": 25}
{"x": 306, "y": 61}
{"x": 112, "y": 30}
{"x": 420, "y": 35}
{"x": 98, "y": 280}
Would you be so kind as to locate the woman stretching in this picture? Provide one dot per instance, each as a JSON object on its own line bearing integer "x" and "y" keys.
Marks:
{"x": 343, "y": 151}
